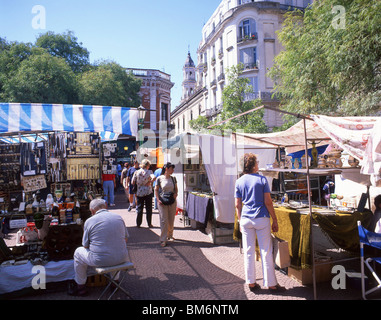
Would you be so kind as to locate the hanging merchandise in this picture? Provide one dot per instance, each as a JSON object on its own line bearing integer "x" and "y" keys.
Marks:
{"x": 33, "y": 158}
{"x": 57, "y": 157}
{"x": 10, "y": 167}
{"x": 109, "y": 158}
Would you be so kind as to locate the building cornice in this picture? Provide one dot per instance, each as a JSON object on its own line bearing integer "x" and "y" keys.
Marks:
{"x": 263, "y": 6}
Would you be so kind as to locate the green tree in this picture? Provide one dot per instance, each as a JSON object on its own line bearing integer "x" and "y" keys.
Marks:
{"x": 41, "y": 78}
{"x": 65, "y": 45}
{"x": 200, "y": 124}
{"x": 237, "y": 98}
{"x": 331, "y": 62}
{"x": 109, "y": 84}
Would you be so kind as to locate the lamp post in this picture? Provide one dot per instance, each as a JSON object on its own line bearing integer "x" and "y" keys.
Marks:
{"x": 141, "y": 116}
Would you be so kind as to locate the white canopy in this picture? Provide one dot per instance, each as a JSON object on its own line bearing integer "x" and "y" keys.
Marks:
{"x": 360, "y": 137}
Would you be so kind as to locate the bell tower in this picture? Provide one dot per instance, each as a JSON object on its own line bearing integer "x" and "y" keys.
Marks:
{"x": 189, "y": 76}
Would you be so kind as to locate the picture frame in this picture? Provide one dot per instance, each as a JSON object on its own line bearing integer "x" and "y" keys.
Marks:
{"x": 192, "y": 180}
{"x": 188, "y": 167}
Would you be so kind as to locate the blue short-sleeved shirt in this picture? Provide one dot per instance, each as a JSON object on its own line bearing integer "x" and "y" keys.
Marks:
{"x": 251, "y": 188}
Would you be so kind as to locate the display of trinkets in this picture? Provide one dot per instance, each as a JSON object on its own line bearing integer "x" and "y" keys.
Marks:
{"x": 82, "y": 143}
{"x": 10, "y": 167}
{"x": 33, "y": 158}
{"x": 109, "y": 158}
{"x": 57, "y": 157}
{"x": 82, "y": 168}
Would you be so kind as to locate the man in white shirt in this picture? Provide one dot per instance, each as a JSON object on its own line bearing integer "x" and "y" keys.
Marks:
{"x": 104, "y": 244}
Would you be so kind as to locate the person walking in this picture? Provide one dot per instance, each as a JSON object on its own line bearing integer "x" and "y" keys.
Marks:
{"x": 254, "y": 207}
{"x": 108, "y": 182}
{"x": 157, "y": 173}
{"x": 131, "y": 192}
{"x": 166, "y": 184}
{"x": 123, "y": 179}
{"x": 144, "y": 179}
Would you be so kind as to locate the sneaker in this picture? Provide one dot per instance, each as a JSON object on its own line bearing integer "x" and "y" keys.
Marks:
{"x": 129, "y": 209}
{"x": 112, "y": 205}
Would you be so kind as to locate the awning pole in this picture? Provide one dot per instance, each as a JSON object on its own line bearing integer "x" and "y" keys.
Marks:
{"x": 310, "y": 208}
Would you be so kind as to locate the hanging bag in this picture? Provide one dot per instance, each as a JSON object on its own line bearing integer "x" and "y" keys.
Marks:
{"x": 167, "y": 198}
{"x": 134, "y": 185}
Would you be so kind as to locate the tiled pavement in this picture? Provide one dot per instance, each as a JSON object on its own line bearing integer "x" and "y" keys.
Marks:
{"x": 189, "y": 268}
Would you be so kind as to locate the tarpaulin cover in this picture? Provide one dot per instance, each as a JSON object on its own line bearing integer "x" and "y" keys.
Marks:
{"x": 27, "y": 117}
{"x": 358, "y": 136}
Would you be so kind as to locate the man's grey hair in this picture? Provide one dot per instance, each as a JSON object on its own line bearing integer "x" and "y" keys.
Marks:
{"x": 97, "y": 204}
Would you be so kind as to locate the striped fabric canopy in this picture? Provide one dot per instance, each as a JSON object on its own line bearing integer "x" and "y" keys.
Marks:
{"x": 24, "y": 117}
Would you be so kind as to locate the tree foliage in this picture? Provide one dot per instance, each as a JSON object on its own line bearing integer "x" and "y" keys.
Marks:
{"x": 56, "y": 69}
{"x": 66, "y": 46}
{"x": 41, "y": 78}
{"x": 236, "y": 99}
{"x": 331, "y": 62}
{"x": 108, "y": 83}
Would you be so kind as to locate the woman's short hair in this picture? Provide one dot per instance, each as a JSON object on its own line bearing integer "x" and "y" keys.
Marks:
{"x": 97, "y": 204}
{"x": 248, "y": 162}
{"x": 146, "y": 163}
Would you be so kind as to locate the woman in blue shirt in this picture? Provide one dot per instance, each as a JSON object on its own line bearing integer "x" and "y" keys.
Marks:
{"x": 254, "y": 208}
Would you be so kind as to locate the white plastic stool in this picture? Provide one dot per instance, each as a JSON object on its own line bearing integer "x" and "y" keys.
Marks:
{"x": 111, "y": 278}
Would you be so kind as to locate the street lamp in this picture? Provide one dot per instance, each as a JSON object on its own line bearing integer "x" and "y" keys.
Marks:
{"x": 141, "y": 116}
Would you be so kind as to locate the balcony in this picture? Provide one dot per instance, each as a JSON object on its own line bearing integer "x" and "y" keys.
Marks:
{"x": 221, "y": 78}
{"x": 220, "y": 53}
{"x": 213, "y": 84}
{"x": 205, "y": 68}
{"x": 265, "y": 96}
{"x": 247, "y": 38}
{"x": 250, "y": 66}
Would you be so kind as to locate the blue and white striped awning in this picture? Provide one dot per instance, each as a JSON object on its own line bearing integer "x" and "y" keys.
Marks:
{"x": 27, "y": 117}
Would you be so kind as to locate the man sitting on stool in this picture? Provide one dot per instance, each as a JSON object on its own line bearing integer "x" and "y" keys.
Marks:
{"x": 104, "y": 244}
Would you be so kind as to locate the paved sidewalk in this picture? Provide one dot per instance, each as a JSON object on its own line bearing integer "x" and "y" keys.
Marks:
{"x": 189, "y": 268}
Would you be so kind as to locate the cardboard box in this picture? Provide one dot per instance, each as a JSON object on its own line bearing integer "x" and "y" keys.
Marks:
{"x": 323, "y": 273}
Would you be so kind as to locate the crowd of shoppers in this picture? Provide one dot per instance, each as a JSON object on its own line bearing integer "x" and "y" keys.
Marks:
{"x": 105, "y": 234}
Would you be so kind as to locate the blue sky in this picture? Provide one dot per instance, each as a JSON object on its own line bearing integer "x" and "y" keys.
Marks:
{"x": 136, "y": 34}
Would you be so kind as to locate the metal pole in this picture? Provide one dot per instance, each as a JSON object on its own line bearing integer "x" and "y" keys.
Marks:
{"x": 310, "y": 209}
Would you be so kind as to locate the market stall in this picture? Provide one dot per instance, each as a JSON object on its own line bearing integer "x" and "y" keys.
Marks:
{"x": 53, "y": 157}
{"x": 206, "y": 175}
{"x": 346, "y": 153}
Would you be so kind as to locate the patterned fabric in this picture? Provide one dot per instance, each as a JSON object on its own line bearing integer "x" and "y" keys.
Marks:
{"x": 143, "y": 180}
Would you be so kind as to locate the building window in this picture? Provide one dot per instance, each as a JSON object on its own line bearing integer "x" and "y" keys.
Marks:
{"x": 254, "y": 83}
{"x": 247, "y": 28}
{"x": 248, "y": 57}
{"x": 164, "y": 112}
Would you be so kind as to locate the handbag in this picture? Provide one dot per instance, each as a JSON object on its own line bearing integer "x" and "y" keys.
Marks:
{"x": 167, "y": 198}
{"x": 134, "y": 185}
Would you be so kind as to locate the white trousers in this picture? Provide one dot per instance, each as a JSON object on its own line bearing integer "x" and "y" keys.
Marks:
{"x": 260, "y": 228}
{"x": 81, "y": 262}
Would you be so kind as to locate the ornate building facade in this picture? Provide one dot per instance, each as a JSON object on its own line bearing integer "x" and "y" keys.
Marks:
{"x": 239, "y": 31}
{"x": 156, "y": 96}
